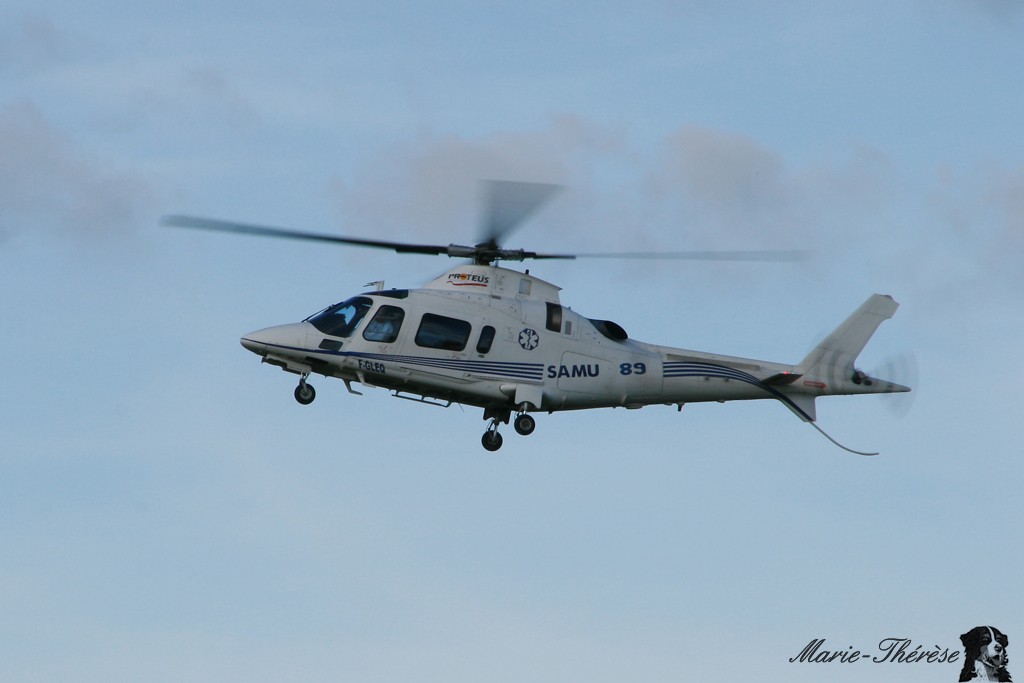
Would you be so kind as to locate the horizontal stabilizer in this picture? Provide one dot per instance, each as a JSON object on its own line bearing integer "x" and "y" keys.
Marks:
{"x": 782, "y": 379}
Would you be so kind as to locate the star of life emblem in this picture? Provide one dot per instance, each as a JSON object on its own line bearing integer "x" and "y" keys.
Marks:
{"x": 529, "y": 339}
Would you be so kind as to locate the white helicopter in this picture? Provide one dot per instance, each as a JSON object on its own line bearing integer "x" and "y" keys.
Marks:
{"x": 501, "y": 340}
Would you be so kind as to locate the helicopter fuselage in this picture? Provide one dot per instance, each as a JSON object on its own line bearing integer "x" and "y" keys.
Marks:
{"x": 500, "y": 339}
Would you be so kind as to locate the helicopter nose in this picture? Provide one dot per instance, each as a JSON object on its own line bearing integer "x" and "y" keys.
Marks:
{"x": 280, "y": 338}
{"x": 254, "y": 342}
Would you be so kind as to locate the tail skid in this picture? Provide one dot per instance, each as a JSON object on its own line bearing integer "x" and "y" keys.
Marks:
{"x": 845, "y": 448}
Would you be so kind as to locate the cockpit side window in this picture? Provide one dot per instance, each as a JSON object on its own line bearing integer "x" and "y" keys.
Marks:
{"x": 384, "y": 325}
{"x": 340, "y": 320}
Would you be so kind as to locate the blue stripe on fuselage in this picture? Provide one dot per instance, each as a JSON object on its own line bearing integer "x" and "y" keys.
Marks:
{"x": 674, "y": 369}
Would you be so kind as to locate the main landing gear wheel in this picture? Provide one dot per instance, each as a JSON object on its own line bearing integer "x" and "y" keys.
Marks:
{"x": 491, "y": 440}
{"x": 305, "y": 393}
{"x": 525, "y": 424}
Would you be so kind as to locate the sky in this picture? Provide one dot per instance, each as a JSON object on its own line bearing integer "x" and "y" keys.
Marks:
{"x": 168, "y": 512}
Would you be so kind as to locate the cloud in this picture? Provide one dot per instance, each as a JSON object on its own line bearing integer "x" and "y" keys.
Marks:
{"x": 33, "y": 43}
{"x": 718, "y": 168}
{"x": 977, "y": 218}
{"x": 430, "y": 186}
{"x": 862, "y": 214}
{"x": 1006, "y": 195}
{"x": 717, "y": 184}
{"x": 1000, "y": 10}
{"x": 728, "y": 190}
{"x": 48, "y": 184}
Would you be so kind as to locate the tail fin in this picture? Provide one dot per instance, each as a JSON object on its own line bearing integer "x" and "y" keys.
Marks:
{"x": 828, "y": 368}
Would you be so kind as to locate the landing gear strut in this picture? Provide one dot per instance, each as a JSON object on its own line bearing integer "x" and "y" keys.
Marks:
{"x": 304, "y": 393}
{"x": 523, "y": 423}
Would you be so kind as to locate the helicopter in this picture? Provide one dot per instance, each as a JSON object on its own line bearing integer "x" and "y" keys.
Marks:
{"x": 500, "y": 339}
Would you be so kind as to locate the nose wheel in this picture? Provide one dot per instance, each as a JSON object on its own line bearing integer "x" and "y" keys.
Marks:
{"x": 304, "y": 393}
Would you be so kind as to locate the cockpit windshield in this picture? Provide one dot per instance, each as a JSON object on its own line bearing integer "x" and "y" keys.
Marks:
{"x": 341, "y": 319}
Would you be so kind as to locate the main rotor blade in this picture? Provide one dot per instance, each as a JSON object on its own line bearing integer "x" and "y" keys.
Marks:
{"x": 482, "y": 253}
{"x": 769, "y": 256}
{"x": 508, "y": 203}
{"x": 179, "y": 221}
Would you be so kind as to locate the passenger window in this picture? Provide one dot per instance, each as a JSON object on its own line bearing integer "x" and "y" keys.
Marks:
{"x": 384, "y": 325}
{"x": 483, "y": 345}
{"x": 440, "y": 332}
{"x": 554, "y": 322}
